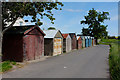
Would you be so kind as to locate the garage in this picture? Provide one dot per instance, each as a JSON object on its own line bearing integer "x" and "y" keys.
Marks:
{"x": 53, "y": 43}
{"x": 67, "y": 46}
{"x": 26, "y": 43}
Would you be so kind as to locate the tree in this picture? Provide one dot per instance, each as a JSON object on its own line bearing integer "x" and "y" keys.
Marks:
{"x": 12, "y": 10}
{"x": 51, "y": 28}
{"x": 95, "y": 22}
{"x": 85, "y": 32}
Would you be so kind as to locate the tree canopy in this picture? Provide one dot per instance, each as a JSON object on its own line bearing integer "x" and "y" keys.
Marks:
{"x": 95, "y": 22}
{"x": 12, "y": 10}
{"x": 51, "y": 28}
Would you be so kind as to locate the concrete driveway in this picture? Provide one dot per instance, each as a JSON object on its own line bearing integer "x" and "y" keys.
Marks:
{"x": 84, "y": 63}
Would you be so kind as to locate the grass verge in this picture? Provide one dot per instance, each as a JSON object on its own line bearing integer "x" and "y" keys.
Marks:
{"x": 6, "y": 65}
{"x": 114, "y": 57}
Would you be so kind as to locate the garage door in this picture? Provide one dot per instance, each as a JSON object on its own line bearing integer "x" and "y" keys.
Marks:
{"x": 57, "y": 46}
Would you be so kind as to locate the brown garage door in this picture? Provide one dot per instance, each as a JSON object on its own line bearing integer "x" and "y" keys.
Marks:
{"x": 57, "y": 46}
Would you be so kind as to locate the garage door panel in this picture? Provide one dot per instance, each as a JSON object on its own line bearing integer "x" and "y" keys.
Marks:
{"x": 57, "y": 46}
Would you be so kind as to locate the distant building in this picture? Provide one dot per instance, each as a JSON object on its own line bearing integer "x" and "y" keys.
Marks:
{"x": 19, "y": 22}
{"x": 86, "y": 41}
{"x": 74, "y": 40}
{"x": 83, "y": 41}
{"x": 67, "y": 47}
{"x": 79, "y": 42}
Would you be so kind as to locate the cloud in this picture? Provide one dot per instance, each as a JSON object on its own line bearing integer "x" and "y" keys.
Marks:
{"x": 114, "y": 18}
{"x": 73, "y": 10}
{"x": 98, "y": 10}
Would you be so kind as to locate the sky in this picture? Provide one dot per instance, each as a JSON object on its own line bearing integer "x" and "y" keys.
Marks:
{"x": 68, "y": 19}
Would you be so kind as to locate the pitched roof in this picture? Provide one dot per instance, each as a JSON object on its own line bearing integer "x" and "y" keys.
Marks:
{"x": 23, "y": 29}
{"x": 17, "y": 22}
{"x": 78, "y": 37}
{"x": 86, "y": 37}
{"x": 65, "y": 35}
{"x": 50, "y": 33}
{"x": 82, "y": 37}
{"x": 92, "y": 37}
{"x": 72, "y": 35}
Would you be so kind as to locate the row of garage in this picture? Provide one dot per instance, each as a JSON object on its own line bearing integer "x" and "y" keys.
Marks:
{"x": 25, "y": 43}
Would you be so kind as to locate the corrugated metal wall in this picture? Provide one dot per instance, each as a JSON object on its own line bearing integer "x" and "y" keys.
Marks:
{"x": 83, "y": 42}
{"x": 33, "y": 45}
{"x": 74, "y": 42}
{"x": 23, "y": 47}
{"x": 89, "y": 42}
{"x": 59, "y": 35}
{"x": 68, "y": 44}
{"x": 54, "y": 46}
{"x": 57, "y": 46}
{"x": 92, "y": 42}
{"x": 79, "y": 43}
{"x": 86, "y": 42}
{"x": 64, "y": 45}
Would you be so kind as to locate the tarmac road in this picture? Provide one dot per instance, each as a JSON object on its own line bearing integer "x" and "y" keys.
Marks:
{"x": 84, "y": 63}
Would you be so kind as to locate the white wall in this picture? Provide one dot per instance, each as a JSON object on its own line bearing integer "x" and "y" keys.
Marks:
{"x": 68, "y": 44}
{"x": 19, "y": 22}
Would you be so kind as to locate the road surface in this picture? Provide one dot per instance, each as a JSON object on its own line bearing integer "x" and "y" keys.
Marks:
{"x": 85, "y": 63}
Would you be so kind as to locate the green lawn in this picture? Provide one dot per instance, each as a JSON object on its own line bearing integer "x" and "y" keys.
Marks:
{"x": 114, "y": 57}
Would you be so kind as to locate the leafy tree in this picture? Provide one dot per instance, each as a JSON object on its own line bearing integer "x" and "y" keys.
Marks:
{"x": 85, "y": 32}
{"x": 118, "y": 37}
{"x": 51, "y": 28}
{"x": 12, "y": 10}
{"x": 95, "y": 22}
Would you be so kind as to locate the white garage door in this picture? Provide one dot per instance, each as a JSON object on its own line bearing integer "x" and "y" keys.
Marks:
{"x": 57, "y": 46}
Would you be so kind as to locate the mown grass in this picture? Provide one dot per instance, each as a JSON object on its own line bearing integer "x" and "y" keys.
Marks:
{"x": 114, "y": 57}
{"x": 6, "y": 65}
{"x": 108, "y": 41}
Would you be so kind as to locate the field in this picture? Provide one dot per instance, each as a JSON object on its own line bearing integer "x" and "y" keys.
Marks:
{"x": 114, "y": 57}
